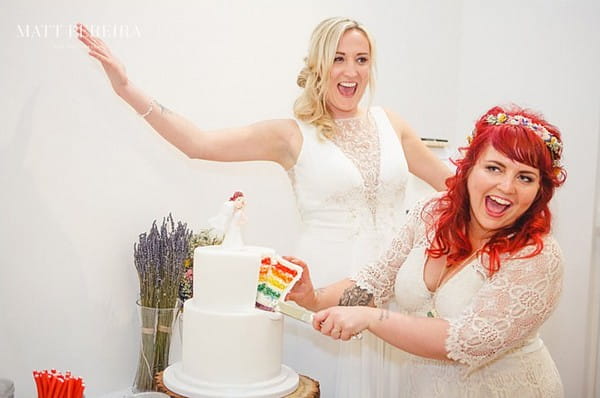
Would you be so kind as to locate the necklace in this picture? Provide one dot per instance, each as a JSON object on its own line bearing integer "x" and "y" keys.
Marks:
{"x": 432, "y": 313}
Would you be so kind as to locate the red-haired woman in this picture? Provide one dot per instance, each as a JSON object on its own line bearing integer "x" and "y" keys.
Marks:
{"x": 475, "y": 273}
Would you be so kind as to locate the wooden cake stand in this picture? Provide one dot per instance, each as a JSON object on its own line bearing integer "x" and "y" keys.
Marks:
{"x": 307, "y": 388}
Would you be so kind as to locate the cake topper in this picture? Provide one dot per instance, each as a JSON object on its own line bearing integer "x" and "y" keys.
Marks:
{"x": 230, "y": 219}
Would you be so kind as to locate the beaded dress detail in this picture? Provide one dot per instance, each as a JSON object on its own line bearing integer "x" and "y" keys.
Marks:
{"x": 357, "y": 138}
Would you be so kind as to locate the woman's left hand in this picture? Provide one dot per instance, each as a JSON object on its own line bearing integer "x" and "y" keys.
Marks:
{"x": 303, "y": 292}
{"x": 342, "y": 323}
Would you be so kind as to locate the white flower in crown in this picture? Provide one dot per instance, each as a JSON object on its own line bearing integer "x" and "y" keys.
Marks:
{"x": 497, "y": 119}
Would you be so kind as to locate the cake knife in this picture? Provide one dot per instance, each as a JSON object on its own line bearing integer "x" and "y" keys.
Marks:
{"x": 302, "y": 314}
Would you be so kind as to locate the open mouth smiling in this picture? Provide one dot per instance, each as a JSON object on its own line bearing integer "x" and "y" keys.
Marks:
{"x": 347, "y": 89}
{"x": 496, "y": 206}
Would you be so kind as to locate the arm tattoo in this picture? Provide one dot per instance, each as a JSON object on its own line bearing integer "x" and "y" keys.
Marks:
{"x": 355, "y": 296}
{"x": 163, "y": 109}
{"x": 384, "y": 314}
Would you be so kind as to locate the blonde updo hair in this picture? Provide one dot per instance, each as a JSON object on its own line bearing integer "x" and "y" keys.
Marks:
{"x": 311, "y": 105}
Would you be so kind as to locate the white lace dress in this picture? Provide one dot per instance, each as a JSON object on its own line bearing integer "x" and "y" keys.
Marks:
{"x": 493, "y": 336}
{"x": 350, "y": 195}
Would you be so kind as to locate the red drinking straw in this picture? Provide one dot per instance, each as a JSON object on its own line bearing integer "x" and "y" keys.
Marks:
{"x": 38, "y": 383}
{"x": 73, "y": 388}
{"x": 52, "y": 387}
{"x": 69, "y": 385}
{"x": 80, "y": 388}
{"x": 45, "y": 383}
{"x": 60, "y": 386}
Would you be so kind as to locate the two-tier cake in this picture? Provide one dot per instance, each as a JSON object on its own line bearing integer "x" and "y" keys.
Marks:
{"x": 230, "y": 348}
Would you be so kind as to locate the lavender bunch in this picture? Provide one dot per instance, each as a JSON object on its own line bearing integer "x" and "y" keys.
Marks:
{"x": 159, "y": 257}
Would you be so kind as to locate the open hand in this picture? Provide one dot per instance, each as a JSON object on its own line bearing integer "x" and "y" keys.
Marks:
{"x": 99, "y": 50}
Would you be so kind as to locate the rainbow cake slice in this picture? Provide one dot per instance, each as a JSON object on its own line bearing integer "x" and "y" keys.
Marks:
{"x": 276, "y": 277}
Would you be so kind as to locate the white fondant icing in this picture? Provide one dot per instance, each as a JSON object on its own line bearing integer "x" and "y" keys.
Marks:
{"x": 225, "y": 280}
{"x": 240, "y": 347}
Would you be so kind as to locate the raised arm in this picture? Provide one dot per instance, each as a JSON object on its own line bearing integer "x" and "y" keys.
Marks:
{"x": 274, "y": 140}
{"x": 421, "y": 161}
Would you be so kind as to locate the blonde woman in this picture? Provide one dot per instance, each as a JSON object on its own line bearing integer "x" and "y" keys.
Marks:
{"x": 348, "y": 166}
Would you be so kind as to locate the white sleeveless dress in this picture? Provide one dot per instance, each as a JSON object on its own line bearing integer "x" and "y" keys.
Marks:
{"x": 350, "y": 195}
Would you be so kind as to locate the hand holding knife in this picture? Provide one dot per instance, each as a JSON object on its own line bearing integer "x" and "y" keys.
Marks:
{"x": 301, "y": 314}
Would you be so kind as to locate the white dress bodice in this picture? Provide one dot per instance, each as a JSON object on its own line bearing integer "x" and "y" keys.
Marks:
{"x": 349, "y": 190}
{"x": 451, "y": 297}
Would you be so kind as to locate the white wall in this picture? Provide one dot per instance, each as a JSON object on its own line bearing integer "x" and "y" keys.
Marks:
{"x": 82, "y": 175}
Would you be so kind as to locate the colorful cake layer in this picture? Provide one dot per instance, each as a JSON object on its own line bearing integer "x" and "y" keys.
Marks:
{"x": 276, "y": 277}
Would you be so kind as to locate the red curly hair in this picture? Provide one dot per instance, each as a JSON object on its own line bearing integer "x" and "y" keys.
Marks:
{"x": 452, "y": 211}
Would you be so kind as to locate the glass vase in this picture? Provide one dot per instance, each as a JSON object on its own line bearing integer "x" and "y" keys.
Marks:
{"x": 155, "y": 342}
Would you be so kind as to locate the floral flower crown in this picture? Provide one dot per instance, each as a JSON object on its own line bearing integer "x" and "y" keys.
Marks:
{"x": 553, "y": 144}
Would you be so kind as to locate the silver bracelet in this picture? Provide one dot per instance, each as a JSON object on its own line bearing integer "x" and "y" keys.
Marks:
{"x": 149, "y": 111}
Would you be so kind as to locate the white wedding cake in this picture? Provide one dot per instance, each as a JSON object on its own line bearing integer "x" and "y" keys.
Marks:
{"x": 230, "y": 348}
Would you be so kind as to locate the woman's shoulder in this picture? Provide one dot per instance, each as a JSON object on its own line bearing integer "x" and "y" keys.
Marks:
{"x": 381, "y": 112}
{"x": 429, "y": 201}
{"x": 392, "y": 115}
{"x": 425, "y": 208}
{"x": 551, "y": 242}
{"x": 549, "y": 246}
{"x": 396, "y": 121}
{"x": 548, "y": 257}
{"x": 301, "y": 127}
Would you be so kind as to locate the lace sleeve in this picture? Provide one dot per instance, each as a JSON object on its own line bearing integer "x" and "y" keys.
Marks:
{"x": 509, "y": 308}
{"x": 378, "y": 278}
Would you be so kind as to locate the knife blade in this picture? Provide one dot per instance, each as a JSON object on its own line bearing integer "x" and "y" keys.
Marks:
{"x": 295, "y": 311}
